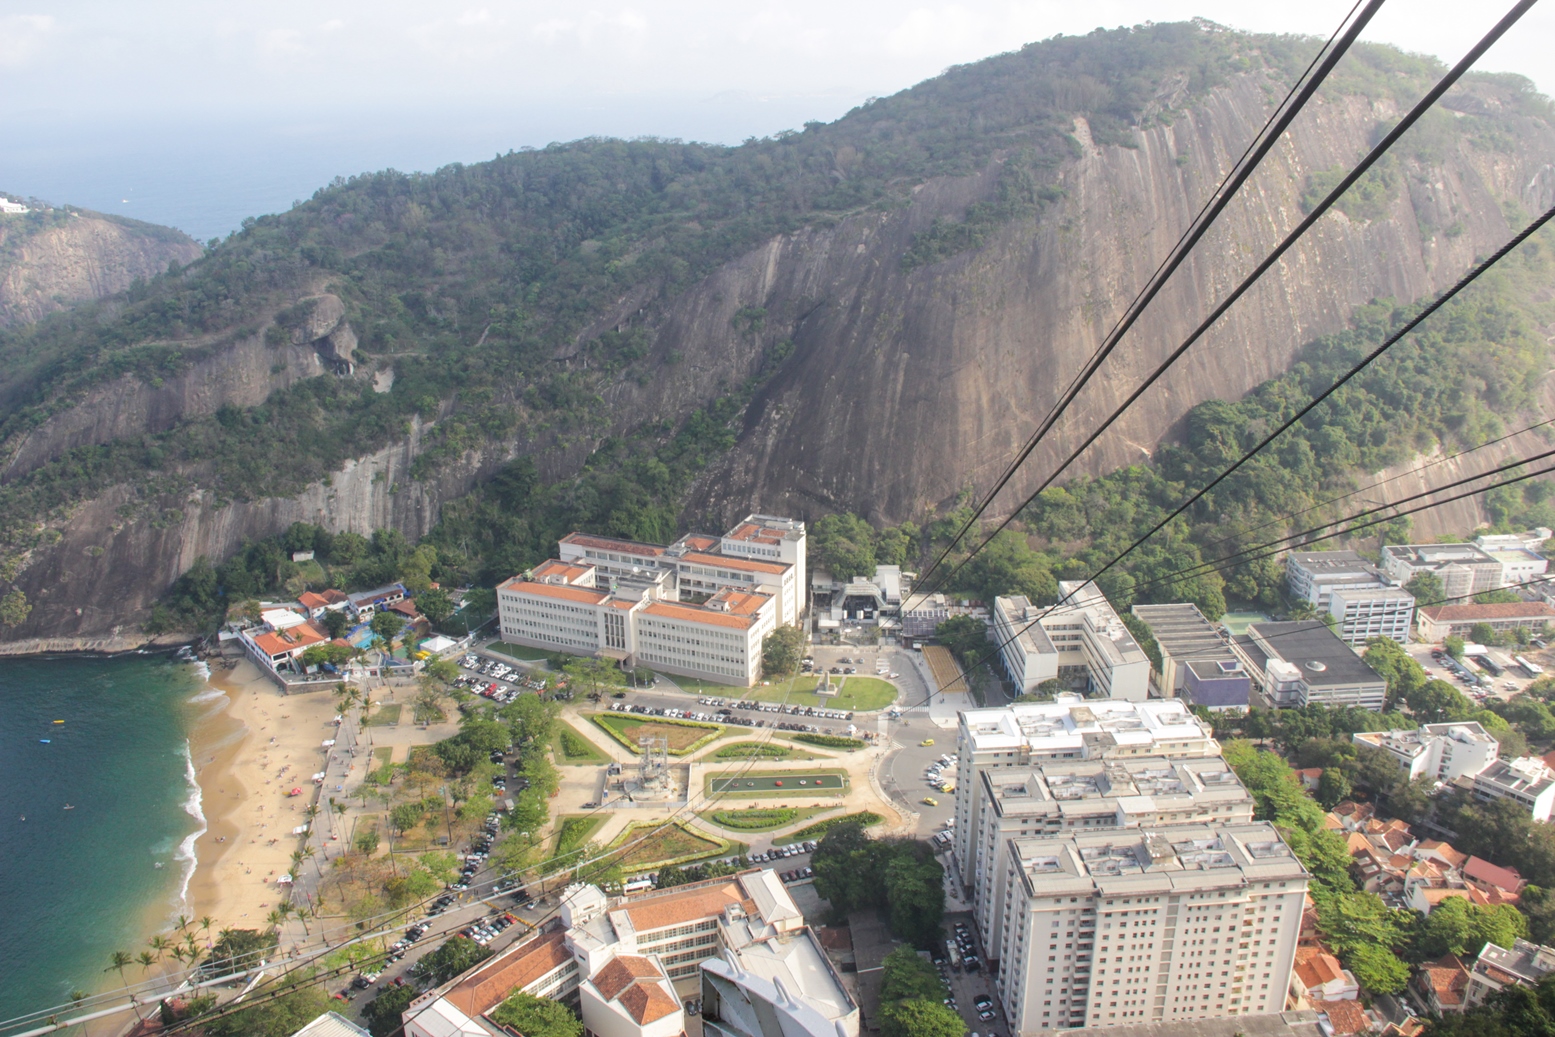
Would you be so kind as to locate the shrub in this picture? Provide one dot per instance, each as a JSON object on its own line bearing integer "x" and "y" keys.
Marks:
{"x": 831, "y": 741}
{"x": 863, "y": 819}
{"x": 756, "y": 820}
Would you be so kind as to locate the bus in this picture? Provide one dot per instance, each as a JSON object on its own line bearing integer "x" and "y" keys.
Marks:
{"x": 1488, "y": 664}
{"x": 1531, "y": 669}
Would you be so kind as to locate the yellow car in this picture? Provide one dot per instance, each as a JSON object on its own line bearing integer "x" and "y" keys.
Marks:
{"x": 930, "y": 801}
{"x": 927, "y": 741}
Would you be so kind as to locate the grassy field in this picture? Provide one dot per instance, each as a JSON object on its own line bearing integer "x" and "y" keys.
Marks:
{"x": 815, "y": 831}
{"x": 572, "y": 747}
{"x": 385, "y": 716}
{"x": 683, "y": 736}
{"x": 668, "y": 842}
{"x": 856, "y": 694}
{"x": 759, "y": 819}
{"x": 574, "y": 830}
{"x": 752, "y": 784}
{"x": 382, "y": 755}
{"x": 759, "y": 751}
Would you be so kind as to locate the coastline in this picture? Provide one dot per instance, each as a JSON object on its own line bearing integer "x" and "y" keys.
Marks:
{"x": 247, "y": 756}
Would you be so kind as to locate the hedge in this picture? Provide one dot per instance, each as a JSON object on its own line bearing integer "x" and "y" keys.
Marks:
{"x": 831, "y": 741}
{"x": 863, "y": 819}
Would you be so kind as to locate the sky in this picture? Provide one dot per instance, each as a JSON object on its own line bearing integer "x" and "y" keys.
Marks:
{"x": 197, "y": 113}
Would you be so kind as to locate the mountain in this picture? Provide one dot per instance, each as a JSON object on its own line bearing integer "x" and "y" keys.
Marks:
{"x": 51, "y": 258}
{"x": 867, "y": 315}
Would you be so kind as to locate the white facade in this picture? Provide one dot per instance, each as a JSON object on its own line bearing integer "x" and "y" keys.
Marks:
{"x": 1361, "y": 615}
{"x": 1165, "y": 925}
{"x": 1464, "y": 568}
{"x": 10, "y": 208}
{"x": 775, "y": 986}
{"x": 559, "y": 607}
{"x": 1081, "y": 638}
{"x": 1090, "y": 795}
{"x": 1313, "y": 576}
{"x": 631, "y": 996}
{"x": 1026, "y": 734}
{"x": 1525, "y": 781}
{"x": 1444, "y": 752}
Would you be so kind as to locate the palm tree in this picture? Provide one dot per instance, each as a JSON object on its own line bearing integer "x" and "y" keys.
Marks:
{"x": 183, "y": 923}
{"x": 146, "y": 959}
{"x": 277, "y": 916}
{"x": 76, "y": 997}
{"x": 159, "y": 944}
{"x": 205, "y": 923}
{"x": 121, "y": 960}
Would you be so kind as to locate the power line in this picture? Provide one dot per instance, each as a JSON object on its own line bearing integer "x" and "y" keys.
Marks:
{"x": 1372, "y": 157}
{"x": 1295, "y": 99}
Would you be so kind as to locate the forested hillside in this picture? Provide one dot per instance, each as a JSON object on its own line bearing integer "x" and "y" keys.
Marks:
{"x": 638, "y": 336}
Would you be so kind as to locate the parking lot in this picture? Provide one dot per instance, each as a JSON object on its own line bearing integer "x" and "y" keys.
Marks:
{"x": 1477, "y": 681}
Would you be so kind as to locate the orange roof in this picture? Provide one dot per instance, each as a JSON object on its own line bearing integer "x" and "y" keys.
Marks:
{"x": 1346, "y": 1017}
{"x": 699, "y": 542}
{"x": 693, "y": 614}
{"x": 741, "y": 603}
{"x": 630, "y": 547}
{"x": 647, "y": 1002}
{"x": 621, "y": 972}
{"x": 683, "y": 904}
{"x": 307, "y": 599}
{"x": 732, "y": 562}
{"x": 405, "y": 607}
{"x": 1477, "y": 613}
{"x": 751, "y": 531}
{"x": 1483, "y": 871}
{"x": 304, "y": 635}
{"x": 561, "y": 591}
{"x": 334, "y": 597}
{"x": 1445, "y": 851}
{"x": 482, "y": 991}
{"x": 1436, "y": 895}
{"x": 1448, "y": 979}
{"x": 1315, "y": 967}
{"x": 557, "y": 568}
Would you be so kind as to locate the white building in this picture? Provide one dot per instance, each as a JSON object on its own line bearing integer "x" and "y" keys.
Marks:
{"x": 1197, "y": 662}
{"x": 1081, "y": 639}
{"x": 1464, "y": 568}
{"x": 628, "y": 962}
{"x": 1304, "y": 663}
{"x": 1518, "y": 553}
{"x": 1444, "y": 752}
{"x": 1497, "y": 968}
{"x": 562, "y": 607}
{"x": 1056, "y": 796}
{"x": 1313, "y": 576}
{"x": 778, "y": 985}
{"x": 1361, "y": 615}
{"x": 1526, "y": 781}
{"x": 10, "y": 208}
{"x": 1163, "y": 925}
{"x": 1026, "y": 734}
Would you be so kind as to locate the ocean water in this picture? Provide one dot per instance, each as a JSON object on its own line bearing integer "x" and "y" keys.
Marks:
{"x": 77, "y": 885}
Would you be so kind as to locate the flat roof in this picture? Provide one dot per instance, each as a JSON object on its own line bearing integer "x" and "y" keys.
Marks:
{"x": 735, "y": 562}
{"x": 1429, "y": 555}
{"x": 600, "y": 543}
{"x": 1317, "y": 651}
{"x": 1073, "y": 723}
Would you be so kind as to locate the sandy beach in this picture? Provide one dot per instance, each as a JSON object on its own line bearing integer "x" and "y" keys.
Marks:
{"x": 247, "y": 761}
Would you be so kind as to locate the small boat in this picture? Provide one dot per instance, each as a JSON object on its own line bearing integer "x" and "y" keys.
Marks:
{"x": 45, "y": 741}
{"x": 157, "y": 864}
{"x": 69, "y": 806}
{"x": 59, "y": 721}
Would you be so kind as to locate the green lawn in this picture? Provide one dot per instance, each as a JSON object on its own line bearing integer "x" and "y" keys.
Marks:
{"x": 520, "y": 651}
{"x": 385, "y": 716}
{"x": 856, "y": 694}
{"x": 382, "y": 755}
{"x": 572, "y": 747}
{"x": 863, "y": 817}
{"x": 735, "y": 784}
{"x": 758, "y": 751}
{"x": 683, "y": 736}
{"x": 574, "y": 830}
{"x": 759, "y": 819}
{"x": 661, "y": 843}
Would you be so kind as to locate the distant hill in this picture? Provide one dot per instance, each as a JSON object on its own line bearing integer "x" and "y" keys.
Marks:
{"x": 866, "y": 315}
{"x": 51, "y": 258}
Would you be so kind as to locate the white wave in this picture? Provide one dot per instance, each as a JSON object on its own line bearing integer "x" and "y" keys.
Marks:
{"x": 203, "y": 670}
{"x": 193, "y": 806}
{"x": 208, "y": 695}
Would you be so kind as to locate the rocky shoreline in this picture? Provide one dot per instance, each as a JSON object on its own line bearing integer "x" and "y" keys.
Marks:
{"x": 106, "y": 645}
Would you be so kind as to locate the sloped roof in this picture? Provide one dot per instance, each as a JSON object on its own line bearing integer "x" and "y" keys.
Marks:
{"x": 1483, "y": 871}
{"x": 680, "y": 906}
{"x": 1448, "y": 978}
{"x": 1486, "y": 613}
{"x": 485, "y": 989}
{"x": 621, "y": 972}
{"x": 1445, "y": 851}
{"x": 1346, "y": 1017}
{"x": 647, "y": 1002}
{"x": 1315, "y": 967}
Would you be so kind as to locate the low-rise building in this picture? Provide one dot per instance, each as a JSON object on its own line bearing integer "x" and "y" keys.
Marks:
{"x": 1360, "y": 615}
{"x": 631, "y": 996}
{"x": 1197, "y": 662}
{"x": 1304, "y": 663}
{"x": 1114, "y": 928}
{"x": 1464, "y": 569}
{"x": 1444, "y": 752}
{"x": 774, "y": 985}
{"x": 1498, "y": 968}
{"x": 1318, "y": 976}
{"x": 1081, "y": 640}
{"x": 1443, "y": 984}
{"x": 1313, "y": 576}
{"x": 1437, "y": 623}
{"x": 363, "y": 604}
{"x": 1526, "y": 781}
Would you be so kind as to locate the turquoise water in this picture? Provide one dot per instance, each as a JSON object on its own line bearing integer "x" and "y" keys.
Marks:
{"x": 76, "y": 885}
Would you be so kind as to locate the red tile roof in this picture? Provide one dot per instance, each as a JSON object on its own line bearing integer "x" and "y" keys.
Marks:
{"x": 1346, "y": 1017}
{"x": 621, "y": 972}
{"x": 1447, "y": 978}
{"x": 566, "y": 571}
{"x": 1487, "y": 613}
{"x": 1315, "y": 967}
{"x": 647, "y": 1002}
{"x": 560, "y": 591}
{"x": 309, "y": 600}
{"x": 733, "y": 562}
{"x": 630, "y": 547}
{"x": 693, "y": 614}
{"x": 290, "y": 640}
{"x": 484, "y": 990}
{"x": 1483, "y": 871}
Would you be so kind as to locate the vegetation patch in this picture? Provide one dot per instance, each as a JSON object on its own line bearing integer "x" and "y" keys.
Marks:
{"x": 657, "y": 844}
{"x": 572, "y": 747}
{"x": 756, "y": 751}
{"x": 574, "y": 830}
{"x": 831, "y": 741}
{"x": 778, "y": 783}
{"x": 855, "y": 694}
{"x": 684, "y": 736}
{"x": 864, "y": 819}
{"x": 385, "y": 716}
{"x": 760, "y": 819}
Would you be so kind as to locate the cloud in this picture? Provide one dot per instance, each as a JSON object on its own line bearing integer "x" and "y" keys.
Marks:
{"x": 22, "y": 36}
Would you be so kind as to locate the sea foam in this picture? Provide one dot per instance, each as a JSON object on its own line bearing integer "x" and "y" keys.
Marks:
{"x": 193, "y": 806}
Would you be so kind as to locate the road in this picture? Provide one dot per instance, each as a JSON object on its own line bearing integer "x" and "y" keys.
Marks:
{"x": 966, "y": 986}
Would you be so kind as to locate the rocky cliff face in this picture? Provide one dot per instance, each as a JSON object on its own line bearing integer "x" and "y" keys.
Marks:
{"x": 50, "y": 260}
{"x": 904, "y": 387}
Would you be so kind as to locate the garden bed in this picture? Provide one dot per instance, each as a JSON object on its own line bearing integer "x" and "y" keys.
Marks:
{"x": 865, "y": 818}
{"x": 573, "y": 830}
{"x": 659, "y": 844}
{"x": 684, "y": 736}
{"x": 758, "y": 751}
{"x": 759, "y": 819}
{"x": 777, "y": 783}
{"x": 573, "y": 747}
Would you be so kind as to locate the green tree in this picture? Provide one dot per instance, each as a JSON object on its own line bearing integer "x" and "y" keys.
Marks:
{"x": 1404, "y": 675}
{"x": 387, "y": 625}
{"x": 435, "y": 605}
{"x": 336, "y": 622}
{"x": 781, "y": 651}
{"x": 384, "y": 1013}
{"x": 920, "y": 1018}
{"x": 915, "y": 892}
{"x": 905, "y": 975}
{"x": 1377, "y": 969}
{"x": 1482, "y": 633}
{"x": 536, "y": 1016}
{"x": 966, "y": 636}
{"x": 844, "y": 546}
{"x": 295, "y": 1007}
{"x": 1454, "y": 646}
{"x": 406, "y": 816}
{"x": 14, "y": 607}
{"x": 1427, "y": 587}
{"x": 457, "y": 955}
{"x": 1333, "y": 787}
